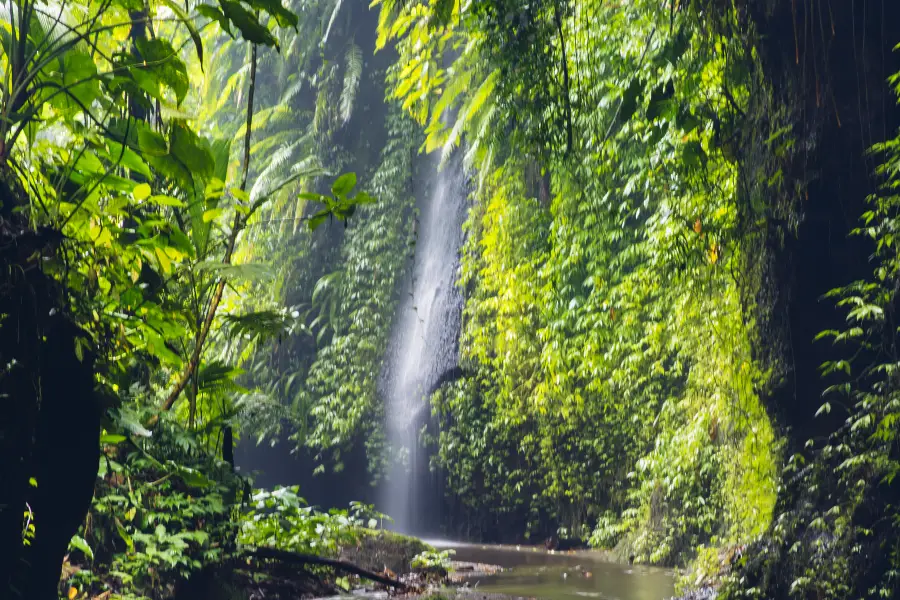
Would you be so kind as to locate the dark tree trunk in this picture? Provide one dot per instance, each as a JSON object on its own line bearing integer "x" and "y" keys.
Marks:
{"x": 50, "y": 423}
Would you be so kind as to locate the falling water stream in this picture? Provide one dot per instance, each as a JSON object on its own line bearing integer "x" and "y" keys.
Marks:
{"x": 424, "y": 345}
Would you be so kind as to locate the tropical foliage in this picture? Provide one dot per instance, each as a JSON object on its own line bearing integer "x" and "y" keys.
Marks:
{"x": 105, "y": 146}
{"x": 221, "y": 200}
{"x": 604, "y": 325}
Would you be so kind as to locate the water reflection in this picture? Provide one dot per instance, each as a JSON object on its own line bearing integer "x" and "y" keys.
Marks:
{"x": 536, "y": 573}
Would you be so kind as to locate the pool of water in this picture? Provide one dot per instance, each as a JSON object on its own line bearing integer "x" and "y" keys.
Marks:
{"x": 536, "y": 573}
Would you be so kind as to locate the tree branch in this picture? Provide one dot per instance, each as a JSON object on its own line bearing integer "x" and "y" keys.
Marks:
{"x": 565, "y": 64}
{"x": 309, "y": 559}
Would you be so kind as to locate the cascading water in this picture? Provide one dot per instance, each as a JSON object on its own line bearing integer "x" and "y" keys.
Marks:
{"x": 424, "y": 344}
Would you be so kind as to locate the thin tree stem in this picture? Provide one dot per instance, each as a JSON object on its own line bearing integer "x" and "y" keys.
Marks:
{"x": 236, "y": 226}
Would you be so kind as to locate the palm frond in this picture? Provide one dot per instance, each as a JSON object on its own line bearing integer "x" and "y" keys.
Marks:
{"x": 321, "y": 118}
{"x": 263, "y": 183}
{"x": 334, "y": 14}
{"x": 292, "y": 90}
{"x": 217, "y": 376}
{"x": 263, "y": 323}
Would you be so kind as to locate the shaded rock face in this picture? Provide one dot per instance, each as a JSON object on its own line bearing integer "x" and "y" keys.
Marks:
{"x": 831, "y": 81}
{"x": 833, "y": 89}
{"x": 65, "y": 457}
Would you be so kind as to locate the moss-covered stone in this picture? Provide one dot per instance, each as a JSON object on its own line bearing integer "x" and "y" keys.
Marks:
{"x": 378, "y": 550}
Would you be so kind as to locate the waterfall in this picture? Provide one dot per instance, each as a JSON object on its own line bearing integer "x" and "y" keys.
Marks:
{"x": 424, "y": 344}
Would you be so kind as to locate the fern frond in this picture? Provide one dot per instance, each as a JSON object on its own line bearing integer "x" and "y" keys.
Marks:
{"x": 261, "y": 186}
{"x": 386, "y": 17}
{"x": 320, "y": 120}
{"x": 263, "y": 414}
{"x": 230, "y": 85}
{"x": 271, "y": 142}
{"x": 263, "y": 119}
{"x": 217, "y": 376}
{"x": 470, "y": 110}
{"x": 352, "y": 74}
{"x": 264, "y": 323}
{"x": 292, "y": 90}
{"x": 327, "y": 284}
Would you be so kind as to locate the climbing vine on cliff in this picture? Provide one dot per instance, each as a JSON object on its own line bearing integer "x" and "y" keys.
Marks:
{"x": 612, "y": 375}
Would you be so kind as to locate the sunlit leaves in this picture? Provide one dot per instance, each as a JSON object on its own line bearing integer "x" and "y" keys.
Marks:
{"x": 141, "y": 191}
{"x": 343, "y": 184}
{"x": 158, "y": 64}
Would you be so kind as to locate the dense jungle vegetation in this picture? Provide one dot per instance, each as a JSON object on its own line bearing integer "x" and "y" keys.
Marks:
{"x": 679, "y": 279}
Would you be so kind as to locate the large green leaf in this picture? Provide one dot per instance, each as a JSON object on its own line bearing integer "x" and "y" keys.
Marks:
{"x": 151, "y": 143}
{"x": 116, "y": 153}
{"x": 191, "y": 477}
{"x": 344, "y": 184}
{"x": 283, "y": 16}
{"x": 250, "y": 27}
{"x": 192, "y": 30}
{"x": 80, "y": 78}
{"x": 211, "y": 12}
{"x": 79, "y": 543}
{"x": 157, "y": 56}
{"x": 192, "y": 150}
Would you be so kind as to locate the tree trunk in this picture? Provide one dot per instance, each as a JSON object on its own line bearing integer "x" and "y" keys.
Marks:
{"x": 50, "y": 427}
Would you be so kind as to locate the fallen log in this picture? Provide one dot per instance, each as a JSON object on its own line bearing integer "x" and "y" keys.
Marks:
{"x": 311, "y": 559}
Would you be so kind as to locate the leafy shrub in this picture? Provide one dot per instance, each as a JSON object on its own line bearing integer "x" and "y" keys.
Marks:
{"x": 281, "y": 519}
{"x": 153, "y": 523}
{"x": 608, "y": 532}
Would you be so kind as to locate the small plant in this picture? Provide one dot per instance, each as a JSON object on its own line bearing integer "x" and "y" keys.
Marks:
{"x": 28, "y": 526}
{"x": 433, "y": 561}
{"x": 366, "y": 513}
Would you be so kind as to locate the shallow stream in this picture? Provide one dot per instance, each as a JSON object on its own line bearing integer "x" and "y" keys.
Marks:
{"x": 535, "y": 573}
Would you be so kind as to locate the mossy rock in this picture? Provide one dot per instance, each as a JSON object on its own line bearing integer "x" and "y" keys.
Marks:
{"x": 379, "y": 549}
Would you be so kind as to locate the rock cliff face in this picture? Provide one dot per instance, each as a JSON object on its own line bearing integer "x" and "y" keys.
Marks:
{"x": 824, "y": 65}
